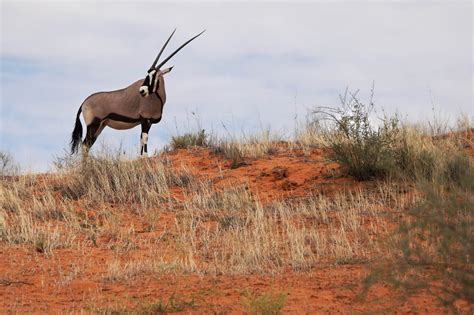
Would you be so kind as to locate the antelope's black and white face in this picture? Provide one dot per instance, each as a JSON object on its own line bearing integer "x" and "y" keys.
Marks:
{"x": 151, "y": 84}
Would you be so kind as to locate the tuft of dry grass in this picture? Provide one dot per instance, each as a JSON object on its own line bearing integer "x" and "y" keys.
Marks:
{"x": 188, "y": 140}
{"x": 118, "y": 271}
{"x": 311, "y": 135}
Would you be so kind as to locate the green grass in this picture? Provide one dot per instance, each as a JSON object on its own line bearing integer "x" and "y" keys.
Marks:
{"x": 175, "y": 303}
{"x": 264, "y": 304}
{"x": 188, "y": 140}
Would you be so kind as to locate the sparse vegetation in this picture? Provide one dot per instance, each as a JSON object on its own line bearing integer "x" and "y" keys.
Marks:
{"x": 112, "y": 178}
{"x": 175, "y": 303}
{"x": 264, "y": 304}
{"x": 231, "y": 151}
{"x": 364, "y": 151}
{"x": 133, "y": 269}
{"x": 237, "y": 149}
{"x": 310, "y": 135}
{"x": 418, "y": 157}
{"x": 391, "y": 149}
{"x": 188, "y": 140}
{"x": 431, "y": 249}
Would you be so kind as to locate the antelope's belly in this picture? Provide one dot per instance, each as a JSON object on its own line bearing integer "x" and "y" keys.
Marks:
{"x": 120, "y": 125}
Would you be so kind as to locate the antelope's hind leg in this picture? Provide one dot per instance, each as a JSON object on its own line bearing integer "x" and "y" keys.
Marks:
{"x": 93, "y": 131}
{"x": 146, "y": 125}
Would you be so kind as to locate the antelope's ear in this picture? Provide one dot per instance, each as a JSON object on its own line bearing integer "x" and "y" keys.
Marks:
{"x": 165, "y": 71}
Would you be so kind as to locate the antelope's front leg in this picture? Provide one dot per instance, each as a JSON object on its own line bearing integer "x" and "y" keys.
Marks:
{"x": 146, "y": 125}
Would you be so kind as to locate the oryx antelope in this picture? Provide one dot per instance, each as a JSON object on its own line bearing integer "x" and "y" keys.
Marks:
{"x": 141, "y": 103}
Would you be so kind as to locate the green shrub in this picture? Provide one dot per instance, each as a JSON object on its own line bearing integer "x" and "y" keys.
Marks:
{"x": 390, "y": 149}
{"x": 265, "y": 304}
{"x": 362, "y": 150}
{"x": 188, "y": 140}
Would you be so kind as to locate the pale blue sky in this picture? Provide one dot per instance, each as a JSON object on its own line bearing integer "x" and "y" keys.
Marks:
{"x": 257, "y": 64}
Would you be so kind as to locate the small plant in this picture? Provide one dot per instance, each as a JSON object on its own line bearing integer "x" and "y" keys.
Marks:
{"x": 45, "y": 242}
{"x": 363, "y": 151}
{"x": 231, "y": 151}
{"x": 187, "y": 140}
{"x": 41, "y": 244}
{"x": 175, "y": 303}
{"x": 229, "y": 221}
{"x": 264, "y": 304}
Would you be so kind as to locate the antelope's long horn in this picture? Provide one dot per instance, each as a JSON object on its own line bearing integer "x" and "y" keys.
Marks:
{"x": 161, "y": 51}
{"x": 174, "y": 53}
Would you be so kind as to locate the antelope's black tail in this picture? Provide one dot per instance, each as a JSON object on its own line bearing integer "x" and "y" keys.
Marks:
{"x": 76, "y": 133}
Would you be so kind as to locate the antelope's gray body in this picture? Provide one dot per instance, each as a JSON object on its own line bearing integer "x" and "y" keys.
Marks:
{"x": 122, "y": 109}
{"x": 141, "y": 103}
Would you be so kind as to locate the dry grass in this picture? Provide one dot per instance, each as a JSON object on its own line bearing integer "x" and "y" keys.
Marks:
{"x": 231, "y": 232}
{"x": 311, "y": 135}
{"x": 30, "y": 214}
{"x": 233, "y": 148}
{"x": 438, "y": 160}
{"x": 113, "y": 179}
{"x": 118, "y": 271}
{"x": 42, "y": 210}
{"x": 217, "y": 231}
{"x": 224, "y": 230}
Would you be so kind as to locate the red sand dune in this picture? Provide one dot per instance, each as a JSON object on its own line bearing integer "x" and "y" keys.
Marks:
{"x": 71, "y": 280}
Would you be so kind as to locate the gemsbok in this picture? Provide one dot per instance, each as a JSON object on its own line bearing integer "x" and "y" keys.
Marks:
{"x": 141, "y": 103}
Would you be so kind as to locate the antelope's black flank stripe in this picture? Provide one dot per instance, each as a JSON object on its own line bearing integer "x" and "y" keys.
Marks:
{"x": 118, "y": 117}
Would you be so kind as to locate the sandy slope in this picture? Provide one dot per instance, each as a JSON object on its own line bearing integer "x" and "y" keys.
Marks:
{"x": 72, "y": 280}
